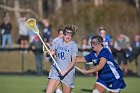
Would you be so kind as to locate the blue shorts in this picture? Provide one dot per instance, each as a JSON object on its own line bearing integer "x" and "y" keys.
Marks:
{"x": 113, "y": 86}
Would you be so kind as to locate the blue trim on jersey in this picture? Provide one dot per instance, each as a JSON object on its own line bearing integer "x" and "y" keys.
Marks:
{"x": 106, "y": 42}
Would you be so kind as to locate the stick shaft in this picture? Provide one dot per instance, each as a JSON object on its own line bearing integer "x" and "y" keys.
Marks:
{"x": 49, "y": 53}
{"x": 77, "y": 68}
{"x": 36, "y": 30}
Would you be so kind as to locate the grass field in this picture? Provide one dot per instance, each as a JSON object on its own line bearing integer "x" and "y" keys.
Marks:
{"x": 11, "y": 62}
{"x": 36, "y": 84}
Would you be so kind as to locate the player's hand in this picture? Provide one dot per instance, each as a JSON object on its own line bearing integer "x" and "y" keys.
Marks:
{"x": 51, "y": 52}
{"x": 63, "y": 72}
{"x": 83, "y": 71}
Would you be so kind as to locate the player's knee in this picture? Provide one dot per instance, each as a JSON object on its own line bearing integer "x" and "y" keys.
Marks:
{"x": 95, "y": 91}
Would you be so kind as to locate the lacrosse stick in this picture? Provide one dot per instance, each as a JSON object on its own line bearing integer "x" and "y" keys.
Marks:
{"x": 31, "y": 23}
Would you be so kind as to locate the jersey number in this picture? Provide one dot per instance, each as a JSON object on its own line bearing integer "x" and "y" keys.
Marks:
{"x": 61, "y": 55}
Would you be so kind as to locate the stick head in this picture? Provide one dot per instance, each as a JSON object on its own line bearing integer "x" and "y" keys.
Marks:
{"x": 31, "y": 23}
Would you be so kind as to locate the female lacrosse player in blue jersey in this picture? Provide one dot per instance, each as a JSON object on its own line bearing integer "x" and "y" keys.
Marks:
{"x": 66, "y": 52}
{"x": 109, "y": 74}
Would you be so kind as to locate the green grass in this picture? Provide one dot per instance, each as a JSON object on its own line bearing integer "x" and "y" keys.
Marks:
{"x": 11, "y": 63}
{"x": 36, "y": 84}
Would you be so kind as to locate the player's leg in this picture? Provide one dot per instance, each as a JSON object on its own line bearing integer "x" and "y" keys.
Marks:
{"x": 52, "y": 84}
{"x": 4, "y": 38}
{"x": 9, "y": 41}
{"x": 22, "y": 43}
{"x": 58, "y": 89}
{"x": 66, "y": 89}
{"x": 26, "y": 43}
{"x": 125, "y": 66}
{"x": 98, "y": 89}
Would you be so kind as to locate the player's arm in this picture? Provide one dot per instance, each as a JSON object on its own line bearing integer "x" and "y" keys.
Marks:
{"x": 63, "y": 72}
{"x": 72, "y": 63}
{"x": 96, "y": 68}
{"x": 80, "y": 59}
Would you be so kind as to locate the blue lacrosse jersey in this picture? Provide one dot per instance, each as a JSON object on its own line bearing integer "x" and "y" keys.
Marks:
{"x": 106, "y": 43}
{"x": 110, "y": 76}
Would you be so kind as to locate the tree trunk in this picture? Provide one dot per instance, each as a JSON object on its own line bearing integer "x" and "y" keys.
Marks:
{"x": 58, "y": 5}
{"x": 17, "y": 8}
{"x": 98, "y": 2}
{"x": 137, "y": 3}
{"x": 74, "y": 3}
{"x": 40, "y": 8}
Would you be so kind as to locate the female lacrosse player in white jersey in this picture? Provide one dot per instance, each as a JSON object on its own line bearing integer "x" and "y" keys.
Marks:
{"x": 66, "y": 54}
{"x": 110, "y": 76}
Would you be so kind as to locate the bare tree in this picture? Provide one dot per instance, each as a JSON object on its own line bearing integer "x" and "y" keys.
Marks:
{"x": 58, "y": 5}
{"x": 74, "y": 3}
{"x": 17, "y": 10}
{"x": 137, "y": 3}
{"x": 98, "y": 2}
{"x": 40, "y": 5}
